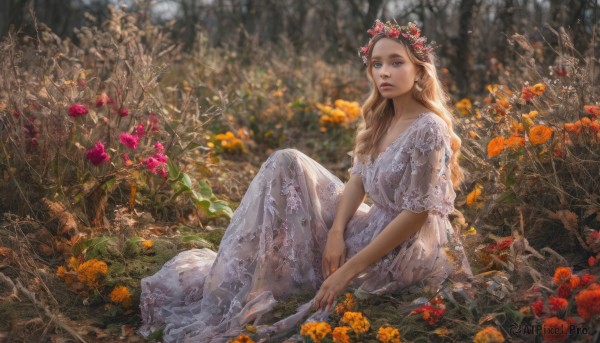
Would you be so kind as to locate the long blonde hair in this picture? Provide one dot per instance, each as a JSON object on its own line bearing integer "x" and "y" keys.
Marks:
{"x": 378, "y": 111}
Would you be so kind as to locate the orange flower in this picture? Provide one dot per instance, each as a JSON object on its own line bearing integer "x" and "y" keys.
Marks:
{"x": 514, "y": 142}
{"x": 575, "y": 281}
{"x": 495, "y": 146}
{"x": 540, "y": 134}
{"x": 242, "y": 339}
{"x": 120, "y": 294}
{"x": 387, "y": 334}
{"x": 538, "y": 88}
{"x": 359, "y": 323}
{"x": 348, "y": 304}
{"x": 147, "y": 244}
{"x": 340, "y": 334}
{"x": 561, "y": 274}
{"x": 592, "y": 109}
{"x": 555, "y": 330}
{"x": 488, "y": 335}
{"x": 573, "y": 127}
{"x": 315, "y": 330}
{"x": 557, "y": 303}
{"x": 591, "y": 261}
{"x": 90, "y": 272}
{"x": 474, "y": 195}
{"x": 463, "y": 106}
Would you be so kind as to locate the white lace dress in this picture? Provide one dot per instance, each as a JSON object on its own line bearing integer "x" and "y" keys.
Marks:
{"x": 273, "y": 246}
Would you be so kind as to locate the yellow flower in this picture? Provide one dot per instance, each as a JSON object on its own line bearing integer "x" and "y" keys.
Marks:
{"x": 242, "y": 339}
{"x": 533, "y": 114}
{"x": 147, "y": 244}
{"x": 495, "y": 146}
{"x": 540, "y": 134}
{"x": 463, "y": 106}
{"x": 359, "y": 323}
{"x": 388, "y": 334}
{"x": 315, "y": 330}
{"x": 474, "y": 195}
{"x": 471, "y": 231}
{"x": 340, "y": 334}
{"x": 488, "y": 335}
{"x": 120, "y": 294}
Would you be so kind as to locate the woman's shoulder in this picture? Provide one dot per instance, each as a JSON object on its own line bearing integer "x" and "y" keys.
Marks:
{"x": 431, "y": 132}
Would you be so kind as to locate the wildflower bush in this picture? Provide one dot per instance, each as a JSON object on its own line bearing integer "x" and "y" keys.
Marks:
{"x": 531, "y": 146}
{"x": 90, "y": 126}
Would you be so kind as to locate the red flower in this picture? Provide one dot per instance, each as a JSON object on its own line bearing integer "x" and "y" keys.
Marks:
{"x": 526, "y": 94}
{"x": 591, "y": 261}
{"x": 414, "y": 30}
{"x": 97, "y": 155}
{"x": 587, "y": 279}
{"x": 77, "y": 110}
{"x": 159, "y": 147}
{"x": 564, "y": 291}
{"x": 557, "y": 304}
{"x": 561, "y": 71}
{"x": 123, "y": 112}
{"x": 130, "y": 141}
{"x": 538, "y": 307}
{"x": 588, "y": 302}
{"x": 555, "y": 330}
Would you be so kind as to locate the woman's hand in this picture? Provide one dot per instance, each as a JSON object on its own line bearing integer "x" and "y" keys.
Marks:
{"x": 335, "y": 253}
{"x": 331, "y": 288}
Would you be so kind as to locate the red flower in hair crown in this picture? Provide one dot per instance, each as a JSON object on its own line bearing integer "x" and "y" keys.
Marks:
{"x": 409, "y": 34}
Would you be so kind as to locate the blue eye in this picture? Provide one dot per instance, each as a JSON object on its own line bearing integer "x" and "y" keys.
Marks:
{"x": 376, "y": 64}
{"x": 397, "y": 63}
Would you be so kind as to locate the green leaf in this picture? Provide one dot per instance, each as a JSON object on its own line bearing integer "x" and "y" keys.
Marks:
{"x": 100, "y": 246}
{"x": 132, "y": 247}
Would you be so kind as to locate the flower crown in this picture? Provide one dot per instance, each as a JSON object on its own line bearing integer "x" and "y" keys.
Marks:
{"x": 409, "y": 33}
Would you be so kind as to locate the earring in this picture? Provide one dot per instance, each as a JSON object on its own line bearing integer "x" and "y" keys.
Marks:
{"x": 417, "y": 87}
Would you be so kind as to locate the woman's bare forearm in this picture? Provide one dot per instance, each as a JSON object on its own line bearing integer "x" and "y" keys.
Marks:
{"x": 351, "y": 198}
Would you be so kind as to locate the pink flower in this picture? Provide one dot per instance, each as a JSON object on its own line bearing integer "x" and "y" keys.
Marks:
{"x": 140, "y": 130}
{"x": 160, "y": 157}
{"x": 151, "y": 164}
{"x": 97, "y": 155}
{"x": 377, "y": 28}
{"x": 130, "y": 141}
{"x": 123, "y": 112}
{"x": 159, "y": 147}
{"x": 394, "y": 33}
{"x": 162, "y": 171}
{"x": 77, "y": 110}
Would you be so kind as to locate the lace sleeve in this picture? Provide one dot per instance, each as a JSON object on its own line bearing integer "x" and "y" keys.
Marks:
{"x": 430, "y": 187}
{"x": 357, "y": 167}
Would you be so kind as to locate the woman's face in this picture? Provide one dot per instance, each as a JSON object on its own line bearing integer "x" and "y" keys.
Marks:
{"x": 393, "y": 72}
